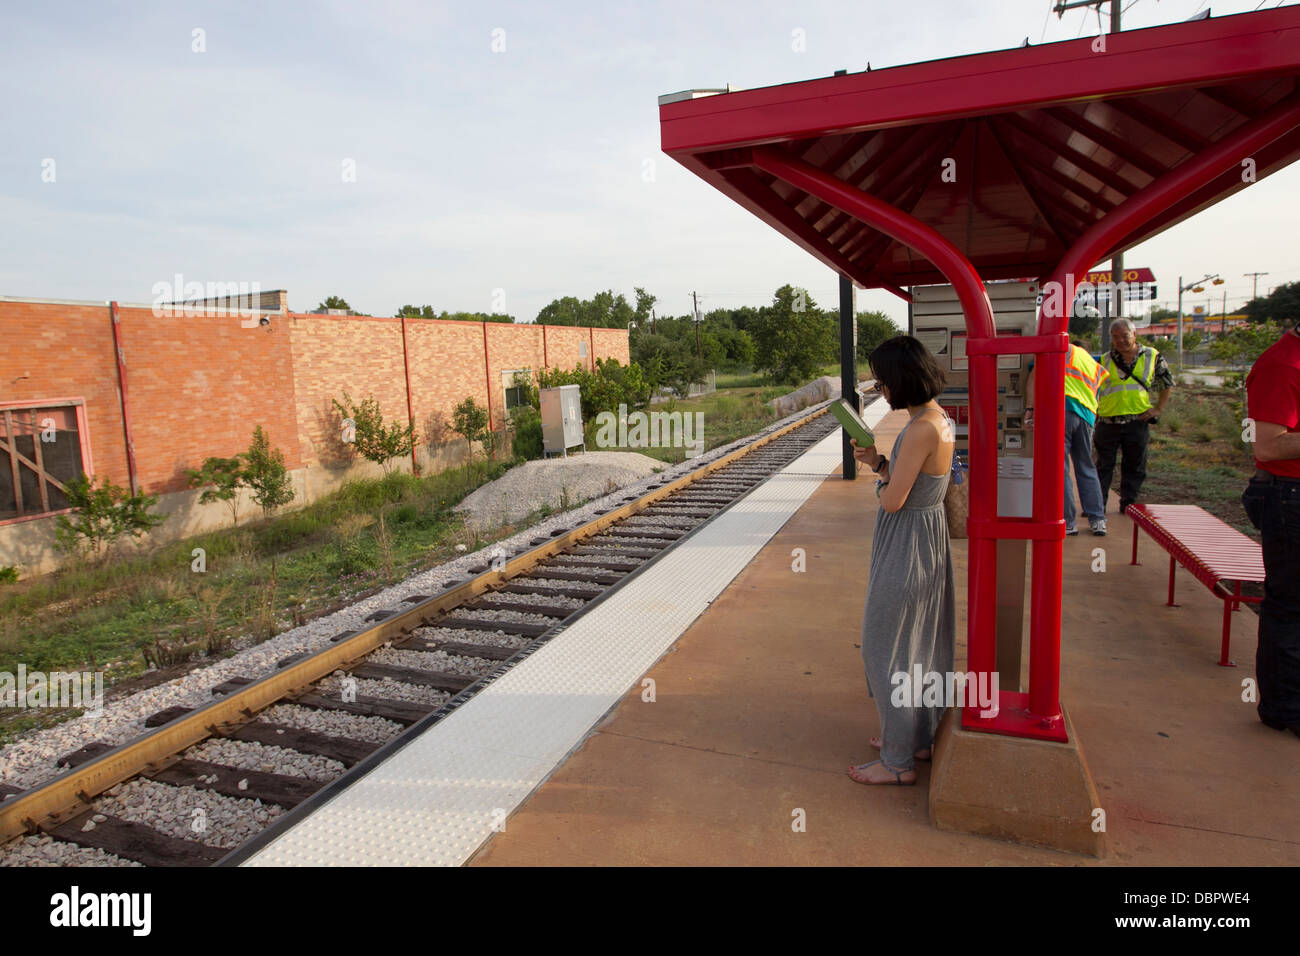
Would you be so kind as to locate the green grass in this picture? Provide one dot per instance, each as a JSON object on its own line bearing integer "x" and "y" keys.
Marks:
{"x": 1196, "y": 455}
{"x": 260, "y": 578}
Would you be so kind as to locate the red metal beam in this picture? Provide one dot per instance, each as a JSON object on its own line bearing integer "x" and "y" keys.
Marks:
{"x": 1108, "y": 140}
{"x": 1056, "y": 147}
{"x": 783, "y": 213}
{"x": 1025, "y": 184}
{"x": 1212, "y": 52}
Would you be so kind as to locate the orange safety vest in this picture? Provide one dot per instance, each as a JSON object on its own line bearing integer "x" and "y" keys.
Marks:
{"x": 1083, "y": 378}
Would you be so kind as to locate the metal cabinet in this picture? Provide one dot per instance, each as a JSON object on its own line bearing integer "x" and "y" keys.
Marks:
{"x": 561, "y": 419}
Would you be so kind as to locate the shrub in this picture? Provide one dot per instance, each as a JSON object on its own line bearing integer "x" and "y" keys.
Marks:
{"x": 103, "y": 515}
{"x": 265, "y": 473}
{"x": 526, "y": 422}
{"x": 374, "y": 440}
{"x": 224, "y": 477}
{"x": 8, "y": 574}
{"x": 470, "y": 421}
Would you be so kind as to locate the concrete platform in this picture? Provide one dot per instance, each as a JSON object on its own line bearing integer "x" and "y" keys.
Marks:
{"x": 761, "y": 706}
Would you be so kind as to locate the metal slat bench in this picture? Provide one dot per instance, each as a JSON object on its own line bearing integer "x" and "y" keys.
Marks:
{"x": 1216, "y": 554}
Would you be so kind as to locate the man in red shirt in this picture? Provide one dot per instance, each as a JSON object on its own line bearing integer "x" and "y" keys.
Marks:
{"x": 1272, "y": 502}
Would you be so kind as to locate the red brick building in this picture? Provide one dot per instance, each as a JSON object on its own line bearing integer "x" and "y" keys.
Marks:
{"x": 196, "y": 385}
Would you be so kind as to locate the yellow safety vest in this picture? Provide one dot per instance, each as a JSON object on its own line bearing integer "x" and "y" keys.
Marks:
{"x": 1126, "y": 396}
{"x": 1083, "y": 376}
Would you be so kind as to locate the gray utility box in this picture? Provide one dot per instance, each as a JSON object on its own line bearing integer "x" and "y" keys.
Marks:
{"x": 561, "y": 420}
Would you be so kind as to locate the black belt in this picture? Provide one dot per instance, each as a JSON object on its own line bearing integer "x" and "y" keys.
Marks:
{"x": 1268, "y": 478}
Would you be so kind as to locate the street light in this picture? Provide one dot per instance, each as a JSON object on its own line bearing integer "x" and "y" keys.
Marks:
{"x": 1195, "y": 287}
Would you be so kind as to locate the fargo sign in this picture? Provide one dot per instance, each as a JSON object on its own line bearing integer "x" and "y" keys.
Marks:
{"x": 1103, "y": 276}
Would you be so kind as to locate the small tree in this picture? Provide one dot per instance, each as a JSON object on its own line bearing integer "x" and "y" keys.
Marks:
{"x": 471, "y": 421}
{"x": 335, "y": 302}
{"x": 374, "y": 440}
{"x": 102, "y": 515}
{"x": 264, "y": 472}
{"x": 1240, "y": 347}
{"x": 224, "y": 477}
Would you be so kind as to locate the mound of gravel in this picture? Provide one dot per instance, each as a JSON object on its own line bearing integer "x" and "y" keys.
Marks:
{"x": 557, "y": 482}
{"x": 818, "y": 390}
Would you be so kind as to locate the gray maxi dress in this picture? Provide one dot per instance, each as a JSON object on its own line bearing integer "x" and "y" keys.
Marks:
{"x": 910, "y": 616}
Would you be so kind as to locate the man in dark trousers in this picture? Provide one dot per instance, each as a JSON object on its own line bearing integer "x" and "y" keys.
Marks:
{"x": 1272, "y": 502}
{"x": 1132, "y": 397}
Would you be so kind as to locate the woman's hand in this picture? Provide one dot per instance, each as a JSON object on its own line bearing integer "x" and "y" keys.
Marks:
{"x": 868, "y": 456}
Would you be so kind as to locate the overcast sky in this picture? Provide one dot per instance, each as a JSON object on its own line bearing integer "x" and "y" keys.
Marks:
{"x": 520, "y": 169}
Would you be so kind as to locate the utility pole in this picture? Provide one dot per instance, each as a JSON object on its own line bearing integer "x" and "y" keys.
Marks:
{"x": 1254, "y": 289}
{"x": 695, "y": 316}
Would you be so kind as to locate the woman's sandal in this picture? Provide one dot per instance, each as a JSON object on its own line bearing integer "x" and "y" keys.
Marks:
{"x": 898, "y": 780}
{"x": 919, "y": 755}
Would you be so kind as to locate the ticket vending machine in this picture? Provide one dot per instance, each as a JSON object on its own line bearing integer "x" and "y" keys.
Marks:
{"x": 936, "y": 319}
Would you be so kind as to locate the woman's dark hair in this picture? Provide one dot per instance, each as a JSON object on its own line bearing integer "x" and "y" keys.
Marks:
{"x": 908, "y": 370}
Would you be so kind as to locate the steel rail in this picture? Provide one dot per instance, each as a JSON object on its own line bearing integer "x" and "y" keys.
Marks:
{"x": 70, "y": 794}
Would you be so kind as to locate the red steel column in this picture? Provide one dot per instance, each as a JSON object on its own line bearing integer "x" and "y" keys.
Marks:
{"x": 982, "y": 590}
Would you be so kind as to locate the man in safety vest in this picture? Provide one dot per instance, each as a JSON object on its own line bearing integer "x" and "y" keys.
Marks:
{"x": 1125, "y": 410}
{"x": 1083, "y": 376}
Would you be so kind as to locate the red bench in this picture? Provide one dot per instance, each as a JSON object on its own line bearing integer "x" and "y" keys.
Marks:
{"x": 1217, "y": 555}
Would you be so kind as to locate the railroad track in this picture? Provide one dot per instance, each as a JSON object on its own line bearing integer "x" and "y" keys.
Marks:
{"x": 377, "y": 686}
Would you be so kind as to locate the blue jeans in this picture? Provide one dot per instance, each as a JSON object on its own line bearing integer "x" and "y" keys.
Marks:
{"x": 1078, "y": 445}
{"x": 1274, "y": 508}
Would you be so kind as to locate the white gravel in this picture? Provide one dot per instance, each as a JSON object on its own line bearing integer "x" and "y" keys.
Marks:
{"x": 46, "y": 851}
{"x": 468, "y": 636}
{"x": 224, "y": 821}
{"x": 539, "y": 579}
{"x": 433, "y": 661}
{"x": 513, "y": 617}
{"x": 332, "y": 723}
{"x": 390, "y": 689}
{"x": 250, "y": 755}
{"x": 536, "y": 484}
{"x": 546, "y": 600}
{"x": 30, "y": 760}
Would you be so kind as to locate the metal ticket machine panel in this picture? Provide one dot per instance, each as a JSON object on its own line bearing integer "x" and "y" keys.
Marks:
{"x": 937, "y": 321}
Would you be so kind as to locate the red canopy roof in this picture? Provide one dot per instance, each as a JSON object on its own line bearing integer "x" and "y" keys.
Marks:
{"x": 1044, "y": 141}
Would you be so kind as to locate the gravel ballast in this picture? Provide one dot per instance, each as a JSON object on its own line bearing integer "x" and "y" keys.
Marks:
{"x": 30, "y": 760}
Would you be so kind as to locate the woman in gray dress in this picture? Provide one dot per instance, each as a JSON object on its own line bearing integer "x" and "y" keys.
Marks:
{"x": 910, "y": 616}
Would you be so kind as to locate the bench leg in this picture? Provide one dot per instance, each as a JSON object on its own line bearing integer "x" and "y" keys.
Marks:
{"x": 1227, "y": 635}
{"x": 1172, "y": 564}
{"x": 1135, "y": 544}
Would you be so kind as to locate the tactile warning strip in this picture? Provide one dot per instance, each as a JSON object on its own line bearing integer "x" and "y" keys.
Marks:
{"x": 435, "y": 801}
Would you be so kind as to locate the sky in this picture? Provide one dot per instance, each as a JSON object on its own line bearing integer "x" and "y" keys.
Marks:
{"x": 475, "y": 156}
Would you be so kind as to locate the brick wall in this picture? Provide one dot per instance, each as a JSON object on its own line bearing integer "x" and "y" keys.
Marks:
{"x": 197, "y": 385}
{"x": 66, "y": 351}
